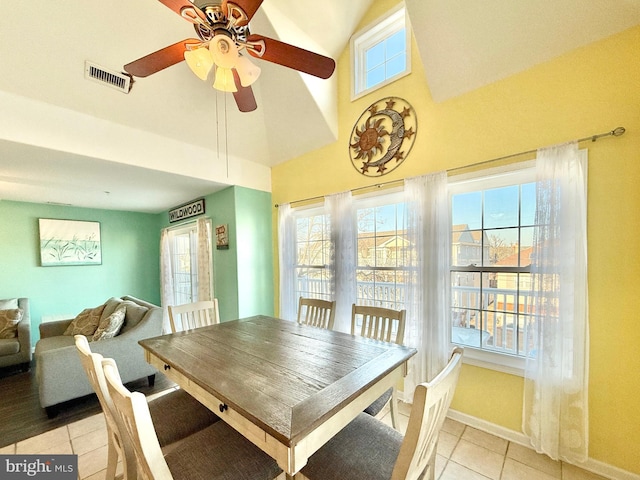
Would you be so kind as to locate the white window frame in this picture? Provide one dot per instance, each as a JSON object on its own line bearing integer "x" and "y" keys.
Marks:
{"x": 521, "y": 173}
{"x": 379, "y": 30}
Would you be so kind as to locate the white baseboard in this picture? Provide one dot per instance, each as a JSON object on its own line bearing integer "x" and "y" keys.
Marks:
{"x": 594, "y": 466}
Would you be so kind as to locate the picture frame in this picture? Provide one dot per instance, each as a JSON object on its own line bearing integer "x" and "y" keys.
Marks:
{"x": 69, "y": 242}
{"x": 222, "y": 237}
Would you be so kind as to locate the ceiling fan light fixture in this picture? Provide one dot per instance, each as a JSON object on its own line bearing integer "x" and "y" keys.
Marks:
{"x": 200, "y": 61}
{"x": 247, "y": 71}
{"x": 224, "y": 51}
{"x": 224, "y": 80}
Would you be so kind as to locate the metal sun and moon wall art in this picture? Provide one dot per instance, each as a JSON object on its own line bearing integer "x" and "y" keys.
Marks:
{"x": 383, "y": 136}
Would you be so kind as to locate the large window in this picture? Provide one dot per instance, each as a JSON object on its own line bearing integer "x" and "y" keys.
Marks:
{"x": 312, "y": 254}
{"x": 381, "y": 271}
{"x": 492, "y": 223}
{"x": 380, "y": 53}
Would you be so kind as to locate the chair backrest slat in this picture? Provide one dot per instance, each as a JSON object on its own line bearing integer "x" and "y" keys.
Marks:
{"x": 193, "y": 315}
{"x": 378, "y": 323}
{"x": 316, "y": 312}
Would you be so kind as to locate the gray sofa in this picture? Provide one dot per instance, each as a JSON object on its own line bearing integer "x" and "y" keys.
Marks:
{"x": 59, "y": 372}
{"x": 17, "y": 351}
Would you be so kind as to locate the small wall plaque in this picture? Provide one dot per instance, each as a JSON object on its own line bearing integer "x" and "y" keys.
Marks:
{"x": 222, "y": 237}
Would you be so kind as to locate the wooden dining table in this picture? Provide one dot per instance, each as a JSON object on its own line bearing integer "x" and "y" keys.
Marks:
{"x": 286, "y": 387}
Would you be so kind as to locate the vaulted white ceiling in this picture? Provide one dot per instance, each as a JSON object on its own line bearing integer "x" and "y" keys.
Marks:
{"x": 65, "y": 139}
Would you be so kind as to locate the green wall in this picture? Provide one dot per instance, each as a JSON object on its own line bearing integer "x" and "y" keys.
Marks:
{"x": 255, "y": 262}
{"x": 221, "y": 207}
{"x": 243, "y": 273}
{"x": 130, "y": 265}
{"x": 243, "y": 279}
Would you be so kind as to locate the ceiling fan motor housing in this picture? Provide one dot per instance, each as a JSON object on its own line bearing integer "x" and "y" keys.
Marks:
{"x": 218, "y": 22}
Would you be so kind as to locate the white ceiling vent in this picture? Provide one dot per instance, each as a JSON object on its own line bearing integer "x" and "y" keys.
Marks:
{"x": 119, "y": 81}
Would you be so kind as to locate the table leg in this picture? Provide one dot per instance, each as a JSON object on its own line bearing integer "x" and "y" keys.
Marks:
{"x": 395, "y": 421}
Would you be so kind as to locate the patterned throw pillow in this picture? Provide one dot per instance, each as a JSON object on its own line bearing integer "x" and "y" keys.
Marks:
{"x": 110, "y": 326}
{"x": 86, "y": 322}
{"x": 9, "y": 320}
{"x": 9, "y": 304}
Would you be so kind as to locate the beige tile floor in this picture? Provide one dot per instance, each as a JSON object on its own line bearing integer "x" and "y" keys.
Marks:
{"x": 464, "y": 453}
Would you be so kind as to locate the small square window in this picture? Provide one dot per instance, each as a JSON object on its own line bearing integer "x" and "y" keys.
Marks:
{"x": 380, "y": 53}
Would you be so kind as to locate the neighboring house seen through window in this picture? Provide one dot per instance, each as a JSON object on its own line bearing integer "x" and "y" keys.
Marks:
{"x": 383, "y": 252}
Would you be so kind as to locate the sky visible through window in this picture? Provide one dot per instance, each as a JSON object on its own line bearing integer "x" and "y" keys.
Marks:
{"x": 498, "y": 210}
{"x": 386, "y": 59}
{"x": 385, "y": 218}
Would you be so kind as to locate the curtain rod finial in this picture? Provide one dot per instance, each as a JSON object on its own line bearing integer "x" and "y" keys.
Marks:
{"x": 618, "y": 131}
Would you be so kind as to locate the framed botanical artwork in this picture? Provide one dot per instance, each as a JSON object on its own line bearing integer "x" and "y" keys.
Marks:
{"x": 69, "y": 242}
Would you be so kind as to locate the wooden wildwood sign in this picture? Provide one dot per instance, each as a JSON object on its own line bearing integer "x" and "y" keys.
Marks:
{"x": 188, "y": 210}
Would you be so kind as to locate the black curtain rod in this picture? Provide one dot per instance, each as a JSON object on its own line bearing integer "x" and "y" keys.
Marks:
{"x": 616, "y": 132}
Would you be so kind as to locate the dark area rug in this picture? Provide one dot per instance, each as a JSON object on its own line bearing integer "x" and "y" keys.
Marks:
{"x": 22, "y": 417}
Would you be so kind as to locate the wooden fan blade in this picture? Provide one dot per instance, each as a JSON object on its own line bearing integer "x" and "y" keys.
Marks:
{"x": 177, "y": 5}
{"x": 159, "y": 60}
{"x": 186, "y": 10}
{"x": 290, "y": 56}
{"x": 250, "y": 7}
{"x": 244, "y": 96}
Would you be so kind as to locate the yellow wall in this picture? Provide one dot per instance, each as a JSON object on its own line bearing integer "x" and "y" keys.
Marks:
{"x": 591, "y": 90}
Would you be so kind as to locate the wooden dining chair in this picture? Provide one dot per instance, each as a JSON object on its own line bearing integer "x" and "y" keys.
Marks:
{"x": 386, "y": 325}
{"x": 193, "y": 315}
{"x": 316, "y": 312}
{"x": 368, "y": 449}
{"x": 217, "y": 452}
{"x": 117, "y": 446}
{"x": 176, "y": 413}
{"x": 378, "y": 323}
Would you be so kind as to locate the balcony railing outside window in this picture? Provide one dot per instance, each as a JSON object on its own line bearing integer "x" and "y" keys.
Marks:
{"x": 481, "y": 319}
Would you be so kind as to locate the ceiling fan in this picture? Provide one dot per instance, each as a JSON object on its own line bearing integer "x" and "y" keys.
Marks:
{"x": 223, "y": 41}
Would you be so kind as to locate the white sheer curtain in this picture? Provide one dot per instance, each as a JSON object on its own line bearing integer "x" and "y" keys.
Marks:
{"x": 555, "y": 411}
{"x": 166, "y": 277}
{"x": 427, "y": 296}
{"x": 342, "y": 262}
{"x": 287, "y": 262}
{"x": 204, "y": 259}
